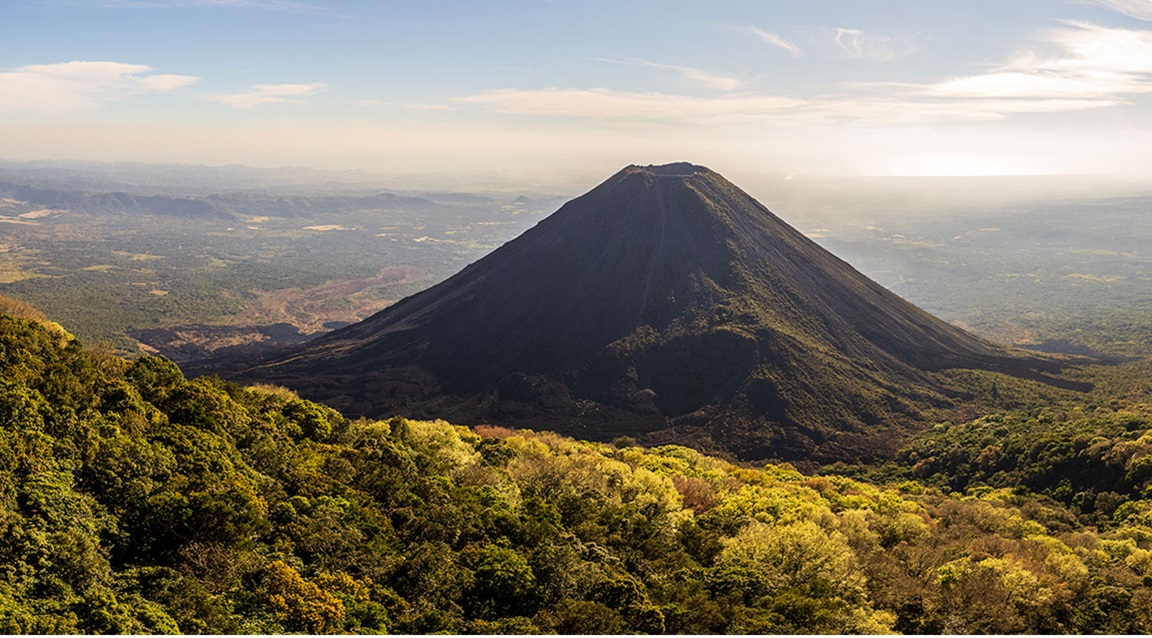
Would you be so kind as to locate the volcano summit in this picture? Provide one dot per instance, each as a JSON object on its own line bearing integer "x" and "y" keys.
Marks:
{"x": 665, "y": 304}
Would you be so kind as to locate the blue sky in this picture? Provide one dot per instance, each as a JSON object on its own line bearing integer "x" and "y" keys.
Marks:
{"x": 920, "y": 87}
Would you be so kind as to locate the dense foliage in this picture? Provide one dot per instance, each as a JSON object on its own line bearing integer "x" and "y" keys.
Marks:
{"x": 1094, "y": 458}
{"x": 135, "y": 500}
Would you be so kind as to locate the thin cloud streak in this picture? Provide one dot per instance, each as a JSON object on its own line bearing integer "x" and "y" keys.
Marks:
{"x": 773, "y": 39}
{"x": 685, "y": 110}
{"x": 77, "y": 85}
{"x": 269, "y": 94}
{"x": 604, "y": 104}
{"x": 707, "y": 79}
{"x": 1139, "y": 9}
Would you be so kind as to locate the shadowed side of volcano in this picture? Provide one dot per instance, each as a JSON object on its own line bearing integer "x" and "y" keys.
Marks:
{"x": 666, "y": 303}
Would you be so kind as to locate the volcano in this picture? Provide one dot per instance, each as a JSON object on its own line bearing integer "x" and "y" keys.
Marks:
{"x": 667, "y": 305}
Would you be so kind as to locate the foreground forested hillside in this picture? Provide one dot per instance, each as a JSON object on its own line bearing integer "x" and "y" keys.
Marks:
{"x": 135, "y": 500}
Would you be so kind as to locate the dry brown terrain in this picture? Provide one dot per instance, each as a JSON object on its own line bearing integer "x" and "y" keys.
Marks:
{"x": 343, "y": 300}
{"x": 281, "y": 317}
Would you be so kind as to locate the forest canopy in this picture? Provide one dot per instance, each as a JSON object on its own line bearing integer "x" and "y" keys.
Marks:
{"x": 135, "y": 500}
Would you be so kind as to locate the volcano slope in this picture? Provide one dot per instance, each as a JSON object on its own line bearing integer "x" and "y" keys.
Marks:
{"x": 665, "y": 304}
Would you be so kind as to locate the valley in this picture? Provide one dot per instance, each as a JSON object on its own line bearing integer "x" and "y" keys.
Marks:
{"x": 109, "y": 273}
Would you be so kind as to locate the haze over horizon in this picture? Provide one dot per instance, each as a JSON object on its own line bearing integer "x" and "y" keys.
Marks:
{"x": 540, "y": 88}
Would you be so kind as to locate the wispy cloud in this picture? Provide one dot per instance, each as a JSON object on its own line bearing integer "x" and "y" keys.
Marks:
{"x": 1139, "y": 9}
{"x": 1091, "y": 67}
{"x": 604, "y": 104}
{"x": 1087, "y": 67}
{"x": 69, "y": 86}
{"x": 269, "y": 94}
{"x": 773, "y": 39}
{"x": 858, "y": 45}
{"x": 607, "y": 105}
{"x": 1093, "y": 63}
{"x": 708, "y": 79}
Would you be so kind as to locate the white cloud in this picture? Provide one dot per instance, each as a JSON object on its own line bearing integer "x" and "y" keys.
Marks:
{"x": 1085, "y": 67}
{"x": 1139, "y": 9}
{"x": 68, "y": 86}
{"x": 773, "y": 39}
{"x": 269, "y": 94}
{"x": 1089, "y": 47}
{"x": 1093, "y": 65}
{"x": 859, "y": 45}
{"x": 717, "y": 81}
{"x": 1025, "y": 85}
{"x": 708, "y": 79}
{"x": 905, "y": 109}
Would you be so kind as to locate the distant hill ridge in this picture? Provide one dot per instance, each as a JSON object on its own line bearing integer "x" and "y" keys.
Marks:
{"x": 110, "y": 203}
{"x": 218, "y": 206}
{"x": 666, "y": 304}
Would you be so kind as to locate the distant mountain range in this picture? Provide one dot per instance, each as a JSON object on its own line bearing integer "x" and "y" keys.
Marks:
{"x": 665, "y": 304}
{"x": 224, "y": 206}
{"x": 110, "y": 203}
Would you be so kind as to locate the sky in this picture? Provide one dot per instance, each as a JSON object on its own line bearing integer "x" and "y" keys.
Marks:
{"x": 549, "y": 87}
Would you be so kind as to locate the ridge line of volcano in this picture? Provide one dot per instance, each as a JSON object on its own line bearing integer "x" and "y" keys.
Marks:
{"x": 659, "y": 252}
